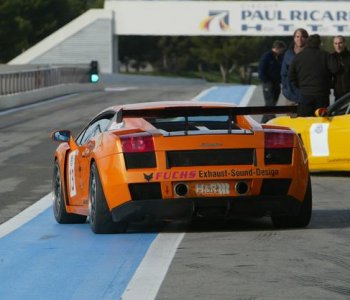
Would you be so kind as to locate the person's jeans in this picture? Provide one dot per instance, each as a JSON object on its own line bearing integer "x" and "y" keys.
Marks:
{"x": 271, "y": 92}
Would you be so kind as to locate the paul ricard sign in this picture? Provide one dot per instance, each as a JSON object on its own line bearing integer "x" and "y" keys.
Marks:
{"x": 254, "y": 18}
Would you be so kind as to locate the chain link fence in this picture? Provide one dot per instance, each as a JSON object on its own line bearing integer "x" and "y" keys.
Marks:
{"x": 18, "y": 81}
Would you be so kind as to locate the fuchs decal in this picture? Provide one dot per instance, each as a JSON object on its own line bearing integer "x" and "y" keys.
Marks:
{"x": 175, "y": 175}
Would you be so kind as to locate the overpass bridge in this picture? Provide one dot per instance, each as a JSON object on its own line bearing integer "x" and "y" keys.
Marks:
{"x": 94, "y": 35}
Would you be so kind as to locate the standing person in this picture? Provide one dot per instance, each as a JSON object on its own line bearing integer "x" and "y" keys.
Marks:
{"x": 270, "y": 75}
{"x": 290, "y": 91}
{"x": 311, "y": 71}
{"x": 341, "y": 79}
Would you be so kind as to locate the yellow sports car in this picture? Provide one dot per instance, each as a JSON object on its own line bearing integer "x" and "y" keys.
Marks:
{"x": 326, "y": 136}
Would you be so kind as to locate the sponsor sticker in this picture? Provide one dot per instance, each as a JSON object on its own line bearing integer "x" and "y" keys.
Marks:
{"x": 174, "y": 175}
{"x": 71, "y": 176}
{"x": 214, "y": 188}
{"x": 209, "y": 174}
{"x": 233, "y": 173}
{"x": 319, "y": 139}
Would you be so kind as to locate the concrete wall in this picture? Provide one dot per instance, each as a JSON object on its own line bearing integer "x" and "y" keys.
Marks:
{"x": 88, "y": 37}
{"x": 30, "y": 97}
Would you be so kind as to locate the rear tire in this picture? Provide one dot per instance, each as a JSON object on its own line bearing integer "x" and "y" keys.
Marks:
{"x": 302, "y": 219}
{"x": 100, "y": 217}
{"x": 59, "y": 206}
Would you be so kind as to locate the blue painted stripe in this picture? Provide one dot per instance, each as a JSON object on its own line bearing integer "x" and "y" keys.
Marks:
{"x": 46, "y": 260}
{"x": 232, "y": 94}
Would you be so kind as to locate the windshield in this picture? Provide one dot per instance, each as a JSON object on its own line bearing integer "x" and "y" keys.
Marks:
{"x": 340, "y": 107}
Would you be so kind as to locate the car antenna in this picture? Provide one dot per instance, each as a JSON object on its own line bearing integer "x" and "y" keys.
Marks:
{"x": 186, "y": 124}
{"x": 230, "y": 121}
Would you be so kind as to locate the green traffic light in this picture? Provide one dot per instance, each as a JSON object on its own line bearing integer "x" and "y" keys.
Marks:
{"x": 94, "y": 78}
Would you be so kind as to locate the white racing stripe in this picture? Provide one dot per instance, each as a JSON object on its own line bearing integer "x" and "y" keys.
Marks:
{"x": 248, "y": 95}
{"x": 204, "y": 93}
{"x": 26, "y": 215}
{"x": 151, "y": 272}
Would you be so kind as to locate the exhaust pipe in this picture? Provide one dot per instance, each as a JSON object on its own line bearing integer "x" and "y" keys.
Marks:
{"x": 181, "y": 189}
{"x": 241, "y": 187}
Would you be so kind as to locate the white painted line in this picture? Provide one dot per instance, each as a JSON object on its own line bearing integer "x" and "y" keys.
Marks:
{"x": 26, "y": 215}
{"x": 154, "y": 267}
{"x": 120, "y": 89}
{"x": 248, "y": 95}
{"x": 151, "y": 272}
{"x": 203, "y": 93}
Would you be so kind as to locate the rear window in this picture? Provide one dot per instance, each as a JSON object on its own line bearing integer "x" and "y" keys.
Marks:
{"x": 193, "y": 123}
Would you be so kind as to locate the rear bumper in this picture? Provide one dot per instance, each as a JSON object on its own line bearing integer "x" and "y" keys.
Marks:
{"x": 188, "y": 208}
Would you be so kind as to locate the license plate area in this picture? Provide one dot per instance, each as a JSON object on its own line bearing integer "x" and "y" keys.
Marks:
{"x": 204, "y": 189}
{"x": 212, "y": 189}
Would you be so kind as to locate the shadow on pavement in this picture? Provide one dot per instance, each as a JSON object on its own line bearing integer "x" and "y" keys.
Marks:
{"x": 321, "y": 219}
{"x": 330, "y": 218}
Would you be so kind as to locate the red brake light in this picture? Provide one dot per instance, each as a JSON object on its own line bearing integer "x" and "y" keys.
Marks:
{"x": 137, "y": 142}
{"x": 279, "y": 139}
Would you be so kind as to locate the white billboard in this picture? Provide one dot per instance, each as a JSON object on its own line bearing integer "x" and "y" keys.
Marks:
{"x": 229, "y": 18}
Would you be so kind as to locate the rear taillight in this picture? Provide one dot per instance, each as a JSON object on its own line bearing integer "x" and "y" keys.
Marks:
{"x": 137, "y": 142}
{"x": 278, "y": 139}
{"x": 138, "y": 150}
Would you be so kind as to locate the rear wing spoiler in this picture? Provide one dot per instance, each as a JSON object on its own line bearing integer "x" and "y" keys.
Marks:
{"x": 183, "y": 111}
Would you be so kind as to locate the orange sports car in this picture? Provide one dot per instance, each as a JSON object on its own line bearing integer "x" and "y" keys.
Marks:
{"x": 180, "y": 160}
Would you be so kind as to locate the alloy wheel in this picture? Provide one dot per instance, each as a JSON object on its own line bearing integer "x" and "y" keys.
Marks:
{"x": 57, "y": 191}
{"x": 92, "y": 199}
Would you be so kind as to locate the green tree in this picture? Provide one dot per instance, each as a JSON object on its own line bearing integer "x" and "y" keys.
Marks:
{"x": 175, "y": 53}
{"x": 23, "y": 23}
{"x": 228, "y": 53}
{"x": 137, "y": 50}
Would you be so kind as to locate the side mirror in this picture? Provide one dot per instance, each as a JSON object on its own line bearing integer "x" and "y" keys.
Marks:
{"x": 61, "y": 135}
{"x": 321, "y": 112}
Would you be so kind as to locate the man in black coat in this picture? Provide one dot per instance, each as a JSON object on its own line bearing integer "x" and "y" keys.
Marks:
{"x": 341, "y": 79}
{"x": 270, "y": 75}
{"x": 311, "y": 71}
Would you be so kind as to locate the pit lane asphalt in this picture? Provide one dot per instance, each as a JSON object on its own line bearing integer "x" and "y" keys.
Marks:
{"x": 25, "y": 147}
{"x": 246, "y": 259}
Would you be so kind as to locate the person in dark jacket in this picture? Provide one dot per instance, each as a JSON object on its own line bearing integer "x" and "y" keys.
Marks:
{"x": 290, "y": 91}
{"x": 341, "y": 79}
{"x": 269, "y": 71}
{"x": 311, "y": 71}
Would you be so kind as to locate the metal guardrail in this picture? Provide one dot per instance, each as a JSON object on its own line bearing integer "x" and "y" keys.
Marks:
{"x": 12, "y": 82}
